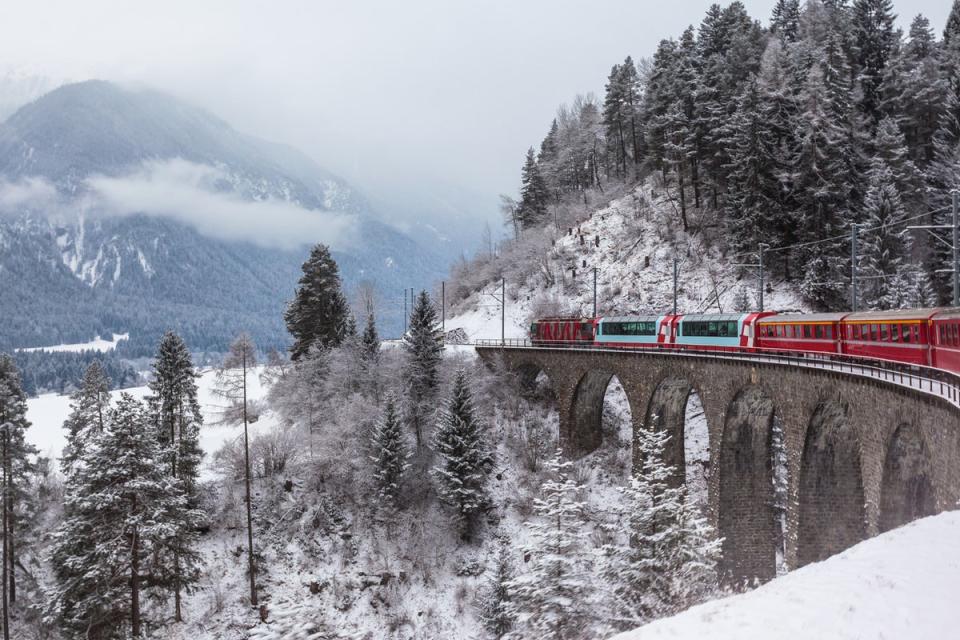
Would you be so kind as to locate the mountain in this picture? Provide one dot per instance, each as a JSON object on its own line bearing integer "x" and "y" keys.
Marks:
{"x": 127, "y": 210}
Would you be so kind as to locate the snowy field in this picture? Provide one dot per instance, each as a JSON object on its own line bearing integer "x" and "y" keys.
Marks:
{"x": 47, "y": 413}
{"x": 97, "y": 344}
{"x": 902, "y": 584}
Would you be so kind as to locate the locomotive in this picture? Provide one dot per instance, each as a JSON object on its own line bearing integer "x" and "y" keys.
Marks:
{"x": 924, "y": 337}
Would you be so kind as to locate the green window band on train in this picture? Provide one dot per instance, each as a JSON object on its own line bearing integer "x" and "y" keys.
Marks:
{"x": 630, "y": 328}
{"x": 709, "y": 329}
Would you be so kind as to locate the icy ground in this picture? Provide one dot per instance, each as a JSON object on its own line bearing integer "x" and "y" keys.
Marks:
{"x": 97, "y": 344}
{"x": 902, "y": 584}
{"x": 47, "y": 413}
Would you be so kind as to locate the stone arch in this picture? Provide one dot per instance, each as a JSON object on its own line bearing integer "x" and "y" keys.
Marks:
{"x": 585, "y": 420}
{"x": 747, "y": 518}
{"x": 831, "y": 514}
{"x": 906, "y": 491}
{"x": 674, "y": 403}
{"x": 535, "y": 382}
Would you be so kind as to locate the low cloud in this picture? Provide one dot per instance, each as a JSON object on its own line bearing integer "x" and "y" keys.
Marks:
{"x": 197, "y": 195}
{"x": 29, "y": 193}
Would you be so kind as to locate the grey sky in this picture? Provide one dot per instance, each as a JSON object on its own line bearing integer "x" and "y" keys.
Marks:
{"x": 421, "y": 94}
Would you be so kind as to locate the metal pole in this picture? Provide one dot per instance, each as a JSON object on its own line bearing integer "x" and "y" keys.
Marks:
{"x": 594, "y": 292}
{"x": 762, "y": 247}
{"x": 853, "y": 268}
{"x": 443, "y": 306}
{"x": 503, "y": 311}
{"x": 956, "y": 249}
{"x": 674, "y": 285}
{"x": 404, "y": 311}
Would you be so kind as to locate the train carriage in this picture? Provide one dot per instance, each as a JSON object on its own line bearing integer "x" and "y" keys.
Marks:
{"x": 716, "y": 332}
{"x": 558, "y": 331}
{"x": 902, "y": 335}
{"x": 945, "y": 340}
{"x": 631, "y": 331}
{"x": 802, "y": 332}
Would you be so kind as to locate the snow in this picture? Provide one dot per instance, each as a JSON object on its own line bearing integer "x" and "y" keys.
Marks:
{"x": 901, "y": 584}
{"x": 97, "y": 344}
{"x": 638, "y": 241}
{"x": 48, "y": 412}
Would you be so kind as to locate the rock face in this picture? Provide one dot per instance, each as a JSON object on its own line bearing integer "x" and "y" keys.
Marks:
{"x": 70, "y": 271}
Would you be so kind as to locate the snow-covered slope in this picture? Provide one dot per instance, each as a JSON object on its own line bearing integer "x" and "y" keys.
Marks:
{"x": 631, "y": 242}
{"x": 902, "y": 584}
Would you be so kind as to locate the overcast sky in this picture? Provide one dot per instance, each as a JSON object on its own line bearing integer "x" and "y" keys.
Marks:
{"x": 423, "y": 93}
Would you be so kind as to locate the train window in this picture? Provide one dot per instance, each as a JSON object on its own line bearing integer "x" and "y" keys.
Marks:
{"x": 895, "y": 333}
{"x": 884, "y": 332}
{"x": 907, "y": 332}
{"x": 818, "y": 332}
{"x": 806, "y": 331}
{"x": 828, "y": 332}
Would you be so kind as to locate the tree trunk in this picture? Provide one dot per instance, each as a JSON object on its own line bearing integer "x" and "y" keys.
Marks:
{"x": 135, "y": 579}
{"x": 6, "y": 612}
{"x": 633, "y": 130}
{"x": 695, "y": 179}
{"x": 683, "y": 197}
{"x": 623, "y": 148}
{"x": 10, "y": 522}
{"x": 246, "y": 455}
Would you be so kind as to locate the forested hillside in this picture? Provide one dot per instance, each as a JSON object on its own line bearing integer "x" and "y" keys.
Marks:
{"x": 785, "y": 137}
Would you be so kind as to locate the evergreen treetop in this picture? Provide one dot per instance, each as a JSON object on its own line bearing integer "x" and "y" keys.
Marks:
{"x": 318, "y": 314}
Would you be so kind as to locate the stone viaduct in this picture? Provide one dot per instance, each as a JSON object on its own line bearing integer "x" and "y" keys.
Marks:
{"x": 862, "y": 455}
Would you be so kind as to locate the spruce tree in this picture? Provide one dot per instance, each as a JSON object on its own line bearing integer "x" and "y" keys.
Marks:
{"x": 553, "y": 598}
{"x": 423, "y": 345}
{"x": 496, "y": 600}
{"x": 88, "y": 408}
{"x": 884, "y": 243}
{"x": 122, "y": 506}
{"x": 390, "y": 457}
{"x": 318, "y": 313}
{"x": 785, "y": 22}
{"x": 666, "y": 559}
{"x": 533, "y": 194}
{"x": 17, "y": 459}
{"x": 175, "y": 413}
{"x": 873, "y": 24}
{"x": 463, "y": 458}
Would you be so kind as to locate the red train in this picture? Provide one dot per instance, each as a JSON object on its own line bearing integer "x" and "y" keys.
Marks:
{"x": 926, "y": 337}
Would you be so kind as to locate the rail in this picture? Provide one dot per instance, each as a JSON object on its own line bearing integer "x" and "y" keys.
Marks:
{"x": 927, "y": 380}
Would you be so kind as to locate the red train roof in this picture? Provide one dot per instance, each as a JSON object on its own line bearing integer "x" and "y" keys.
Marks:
{"x": 804, "y": 317}
{"x": 895, "y": 315}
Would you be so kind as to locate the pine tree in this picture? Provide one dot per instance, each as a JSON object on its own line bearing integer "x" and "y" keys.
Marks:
{"x": 17, "y": 463}
{"x": 533, "y": 194}
{"x": 553, "y": 597}
{"x": 370, "y": 357}
{"x": 88, "y": 408}
{"x": 496, "y": 600}
{"x": 318, "y": 313}
{"x": 121, "y": 503}
{"x": 952, "y": 28}
{"x": 667, "y": 559}
{"x": 175, "y": 413}
{"x": 464, "y": 459}
{"x": 423, "y": 345}
{"x": 390, "y": 457}
{"x": 785, "y": 21}
{"x": 873, "y": 24}
{"x": 885, "y": 244}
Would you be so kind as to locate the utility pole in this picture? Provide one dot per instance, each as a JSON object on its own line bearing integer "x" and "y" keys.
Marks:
{"x": 675, "y": 271}
{"x": 404, "y": 311}
{"x": 763, "y": 247}
{"x": 956, "y": 248}
{"x": 853, "y": 268}
{"x": 594, "y": 292}
{"x": 503, "y": 312}
{"x": 443, "y": 306}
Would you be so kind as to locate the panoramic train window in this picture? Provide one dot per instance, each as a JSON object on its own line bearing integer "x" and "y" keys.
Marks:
{"x": 630, "y": 328}
{"x": 709, "y": 329}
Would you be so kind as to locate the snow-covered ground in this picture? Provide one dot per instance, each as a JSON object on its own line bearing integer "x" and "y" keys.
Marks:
{"x": 902, "y": 584}
{"x": 47, "y": 413}
{"x": 638, "y": 240}
{"x": 97, "y": 344}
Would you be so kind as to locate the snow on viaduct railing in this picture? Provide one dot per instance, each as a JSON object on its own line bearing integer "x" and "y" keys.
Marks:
{"x": 927, "y": 380}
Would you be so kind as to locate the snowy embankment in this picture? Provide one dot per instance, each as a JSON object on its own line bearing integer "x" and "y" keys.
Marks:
{"x": 902, "y": 584}
{"x": 97, "y": 344}
{"x": 47, "y": 413}
{"x": 632, "y": 243}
